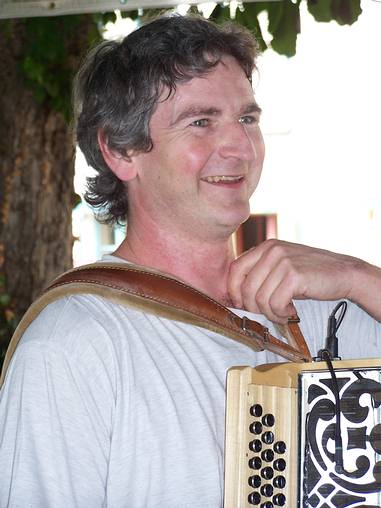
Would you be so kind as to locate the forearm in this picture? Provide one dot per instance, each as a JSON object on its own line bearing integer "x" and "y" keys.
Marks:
{"x": 268, "y": 278}
{"x": 366, "y": 290}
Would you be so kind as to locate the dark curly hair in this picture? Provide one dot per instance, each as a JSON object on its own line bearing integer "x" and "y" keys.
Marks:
{"x": 119, "y": 84}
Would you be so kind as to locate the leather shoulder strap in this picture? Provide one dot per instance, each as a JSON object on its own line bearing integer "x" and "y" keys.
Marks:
{"x": 160, "y": 294}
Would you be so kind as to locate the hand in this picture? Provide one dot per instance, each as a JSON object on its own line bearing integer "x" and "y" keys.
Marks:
{"x": 266, "y": 278}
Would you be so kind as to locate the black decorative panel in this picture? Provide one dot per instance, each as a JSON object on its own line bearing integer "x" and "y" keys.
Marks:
{"x": 324, "y": 483}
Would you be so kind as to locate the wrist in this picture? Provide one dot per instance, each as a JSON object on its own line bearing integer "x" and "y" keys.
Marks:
{"x": 366, "y": 288}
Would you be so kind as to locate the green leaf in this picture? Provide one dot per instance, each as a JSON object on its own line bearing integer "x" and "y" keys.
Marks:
{"x": 130, "y": 14}
{"x": 46, "y": 64}
{"x": 39, "y": 93}
{"x": 32, "y": 69}
{"x": 320, "y": 9}
{"x": 284, "y": 26}
{"x": 107, "y": 17}
{"x": 275, "y": 11}
{"x": 346, "y": 12}
{"x": 220, "y": 13}
{"x": 248, "y": 17}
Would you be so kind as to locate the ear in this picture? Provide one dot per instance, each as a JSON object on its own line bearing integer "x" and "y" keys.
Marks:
{"x": 121, "y": 165}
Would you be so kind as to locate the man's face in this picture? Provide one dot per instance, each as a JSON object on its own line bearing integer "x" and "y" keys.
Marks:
{"x": 206, "y": 159}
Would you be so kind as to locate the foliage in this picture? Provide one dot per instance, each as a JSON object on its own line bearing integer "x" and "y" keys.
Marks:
{"x": 46, "y": 62}
{"x": 343, "y": 11}
{"x": 46, "y": 65}
{"x": 284, "y": 19}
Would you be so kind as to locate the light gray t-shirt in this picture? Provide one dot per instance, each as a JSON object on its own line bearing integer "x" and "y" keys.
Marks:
{"x": 104, "y": 406}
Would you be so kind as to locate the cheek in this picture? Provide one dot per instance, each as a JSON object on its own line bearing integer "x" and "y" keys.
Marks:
{"x": 194, "y": 156}
{"x": 262, "y": 149}
{"x": 258, "y": 145}
{"x": 257, "y": 164}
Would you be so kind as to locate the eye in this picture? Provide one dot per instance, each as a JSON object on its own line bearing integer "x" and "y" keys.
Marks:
{"x": 248, "y": 119}
{"x": 202, "y": 122}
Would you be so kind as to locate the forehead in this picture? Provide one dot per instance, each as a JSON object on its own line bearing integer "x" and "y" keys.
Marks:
{"x": 225, "y": 88}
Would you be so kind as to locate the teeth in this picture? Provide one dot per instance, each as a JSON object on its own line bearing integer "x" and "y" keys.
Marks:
{"x": 222, "y": 178}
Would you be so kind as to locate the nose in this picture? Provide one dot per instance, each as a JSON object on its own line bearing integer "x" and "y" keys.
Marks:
{"x": 240, "y": 141}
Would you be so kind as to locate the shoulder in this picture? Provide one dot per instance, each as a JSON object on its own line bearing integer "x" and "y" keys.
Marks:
{"x": 84, "y": 332}
{"x": 81, "y": 316}
{"x": 71, "y": 323}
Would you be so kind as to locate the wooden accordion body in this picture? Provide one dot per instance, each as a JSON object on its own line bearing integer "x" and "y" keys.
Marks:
{"x": 280, "y": 436}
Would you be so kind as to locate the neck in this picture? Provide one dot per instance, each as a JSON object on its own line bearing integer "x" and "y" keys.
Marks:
{"x": 200, "y": 263}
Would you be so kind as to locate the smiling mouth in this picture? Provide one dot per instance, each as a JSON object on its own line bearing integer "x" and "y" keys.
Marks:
{"x": 222, "y": 179}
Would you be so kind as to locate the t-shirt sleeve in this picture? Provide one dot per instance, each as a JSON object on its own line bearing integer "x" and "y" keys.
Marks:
{"x": 56, "y": 411}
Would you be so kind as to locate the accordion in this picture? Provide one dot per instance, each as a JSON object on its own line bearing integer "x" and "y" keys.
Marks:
{"x": 282, "y": 424}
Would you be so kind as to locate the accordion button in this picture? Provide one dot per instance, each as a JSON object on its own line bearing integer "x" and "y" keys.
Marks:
{"x": 267, "y": 504}
{"x": 255, "y": 428}
{"x": 268, "y": 437}
{"x": 267, "y": 490}
{"x": 254, "y": 498}
{"x": 256, "y": 410}
{"x": 255, "y": 463}
{"x": 280, "y": 447}
{"x": 268, "y": 420}
{"x": 267, "y": 455}
{"x": 255, "y": 481}
{"x": 279, "y": 500}
{"x": 279, "y": 482}
{"x": 255, "y": 446}
{"x": 280, "y": 464}
{"x": 267, "y": 473}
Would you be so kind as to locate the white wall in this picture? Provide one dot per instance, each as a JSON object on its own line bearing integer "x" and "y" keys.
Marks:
{"x": 321, "y": 121}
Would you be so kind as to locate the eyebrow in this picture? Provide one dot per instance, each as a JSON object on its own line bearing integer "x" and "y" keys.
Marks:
{"x": 193, "y": 111}
{"x": 251, "y": 108}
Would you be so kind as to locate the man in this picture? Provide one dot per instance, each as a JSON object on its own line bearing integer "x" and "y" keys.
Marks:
{"x": 108, "y": 406}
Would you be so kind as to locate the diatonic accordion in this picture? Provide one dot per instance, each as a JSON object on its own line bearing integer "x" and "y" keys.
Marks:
{"x": 281, "y": 445}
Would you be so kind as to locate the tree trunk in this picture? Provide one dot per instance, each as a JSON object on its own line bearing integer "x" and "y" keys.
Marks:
{"x": 36, "y": 184}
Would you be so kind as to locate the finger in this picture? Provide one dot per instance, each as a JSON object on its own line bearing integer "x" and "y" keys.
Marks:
{"x": 265, "y": 269}
{"x": 274, "y": 296}
{"x": 281, "y": 304}
{"x": 246, "y": 264}
{"x": 238, "y": 272}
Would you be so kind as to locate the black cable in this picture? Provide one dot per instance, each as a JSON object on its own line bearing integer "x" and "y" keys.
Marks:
{"x": 334, "y": 324}
{"x": 326, "y": 355}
